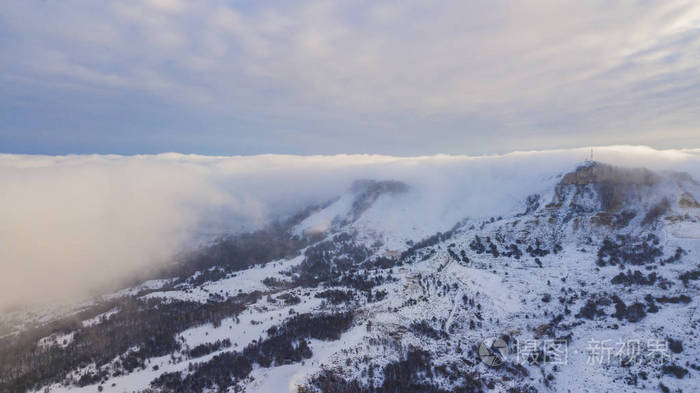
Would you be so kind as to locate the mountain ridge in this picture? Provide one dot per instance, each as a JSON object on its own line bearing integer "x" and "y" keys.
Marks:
{"x": 343, "y": 298}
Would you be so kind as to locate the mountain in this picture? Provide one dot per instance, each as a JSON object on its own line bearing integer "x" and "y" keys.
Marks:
{"x": 589, "y": 283}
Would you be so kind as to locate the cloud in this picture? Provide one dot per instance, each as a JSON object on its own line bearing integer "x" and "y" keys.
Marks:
{"x": 552, "y": 72}
{"x": 74, "y": 225}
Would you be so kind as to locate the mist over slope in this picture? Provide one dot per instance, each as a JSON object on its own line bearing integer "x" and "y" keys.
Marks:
{"x": 76, "y": 225}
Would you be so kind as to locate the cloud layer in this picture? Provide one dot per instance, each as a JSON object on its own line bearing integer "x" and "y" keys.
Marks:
{"x": 73, "y": 225}
{"x": 404, "y": 78}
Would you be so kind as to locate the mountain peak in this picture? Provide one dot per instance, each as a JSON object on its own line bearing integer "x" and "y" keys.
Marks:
{"x": 594, "y": 172}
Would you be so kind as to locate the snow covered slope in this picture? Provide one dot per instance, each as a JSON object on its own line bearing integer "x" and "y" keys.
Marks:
{"x": 587, "y": 275}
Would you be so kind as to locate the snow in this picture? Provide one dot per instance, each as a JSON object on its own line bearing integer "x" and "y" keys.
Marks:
{"x": 245, "y": 281}
{"x": 321, "y": 221}
{"x": 133, "y": 382}
{"x": 684, "y": 229}
{"x": 99, "y": 318}
{"x": 287, "y": 378}
{"x": 147, "y": 285}
{"x": 253, "y": 324}
{"x": 60, "y": 340}
{"x": 501, "y": 294}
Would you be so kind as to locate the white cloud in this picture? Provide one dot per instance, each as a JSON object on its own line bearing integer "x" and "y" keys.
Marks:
{"x": 525, "y": 64}
{"x": 168, "y": 5}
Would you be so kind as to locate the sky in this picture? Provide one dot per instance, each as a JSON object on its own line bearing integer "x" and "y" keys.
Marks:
{"x": 402, "y": 78}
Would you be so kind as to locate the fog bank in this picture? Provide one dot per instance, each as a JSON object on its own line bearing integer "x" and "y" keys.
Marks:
{"x": 73, "y": 225}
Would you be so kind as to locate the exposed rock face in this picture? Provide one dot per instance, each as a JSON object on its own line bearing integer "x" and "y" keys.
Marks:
{"x": 369, "y": 190}
{"x": 614, "y": 197}
{"x": 597, "y": 186}
{"x": 688, "y": 201}
{"x": 598, "y": 173}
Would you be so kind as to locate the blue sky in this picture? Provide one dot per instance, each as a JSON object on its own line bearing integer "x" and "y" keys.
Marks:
{"x": 318, "y": 77}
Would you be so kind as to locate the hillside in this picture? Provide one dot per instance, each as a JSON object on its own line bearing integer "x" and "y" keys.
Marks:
{"x": 590, "y": 282}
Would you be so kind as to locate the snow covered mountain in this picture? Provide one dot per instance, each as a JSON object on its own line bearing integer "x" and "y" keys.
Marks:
{"x": 586, "y": 282}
